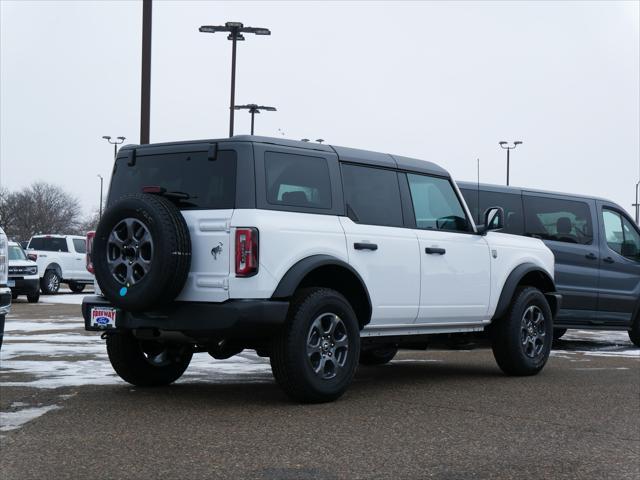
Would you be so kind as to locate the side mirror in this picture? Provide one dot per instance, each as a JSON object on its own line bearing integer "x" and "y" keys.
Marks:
{"x": 32, "y": 256}
{"x": 493, "y": 220}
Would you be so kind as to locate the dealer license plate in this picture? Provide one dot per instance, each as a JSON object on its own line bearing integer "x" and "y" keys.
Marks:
{"x": 102, "y": 317}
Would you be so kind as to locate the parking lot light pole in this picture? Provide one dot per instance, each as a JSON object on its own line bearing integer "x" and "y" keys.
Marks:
{"x": 101, "y": 181}
{"x": 508, "y": 148}
{"x": 235, "y": 29}
{"x": 115, "y": 144}
{"x": 253, "y": 109}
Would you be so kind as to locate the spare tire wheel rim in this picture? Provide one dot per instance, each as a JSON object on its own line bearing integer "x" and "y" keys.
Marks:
{"x": 533, "y": 331}
{"x": 129, "y": 251}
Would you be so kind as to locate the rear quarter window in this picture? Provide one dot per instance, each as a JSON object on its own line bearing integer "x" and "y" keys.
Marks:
{"x": 209, "y": 184}
{"x": 80, "y": 245}
{"x": 297, "y": 180}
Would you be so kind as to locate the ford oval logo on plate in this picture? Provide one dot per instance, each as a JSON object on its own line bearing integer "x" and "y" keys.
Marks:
{"x": 103, "y": 317}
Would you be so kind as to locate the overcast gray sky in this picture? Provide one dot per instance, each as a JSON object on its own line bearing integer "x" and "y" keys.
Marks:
{"x": 441, "y": 82}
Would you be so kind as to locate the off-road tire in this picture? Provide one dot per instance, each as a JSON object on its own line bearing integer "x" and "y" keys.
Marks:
{"x": 170, "y": 259}
{"x": 290, "y": 363}
{"x": 50, "y": 282}
{"x": 558, "y": 333}
{"x": 507, "y": 332}
{"x": 377, "y": 356}
{"x": 76, "y": 287}
{"x": 33, "y": 297}
{"x": 130, "y": 363}
{"x": 634, "y": 333}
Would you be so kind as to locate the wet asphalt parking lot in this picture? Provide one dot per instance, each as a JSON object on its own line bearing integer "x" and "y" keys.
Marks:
{"x": 428, "y": 414}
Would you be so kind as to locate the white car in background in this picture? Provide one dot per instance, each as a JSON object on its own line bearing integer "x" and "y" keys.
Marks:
{"x": 23, "y": 274}
{"x": 60, "y": 259}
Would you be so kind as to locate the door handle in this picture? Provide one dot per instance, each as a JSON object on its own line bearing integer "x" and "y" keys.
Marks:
{"x": 608, "y": 260}
{"x": 591, "y": 256}
{"x": 365, "y": 246}
{"x": 435, "y": 251}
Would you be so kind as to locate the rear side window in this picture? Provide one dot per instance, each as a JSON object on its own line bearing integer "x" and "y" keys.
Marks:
{"x": 560, "y": 220}
{"x": 372, "y": 195}
{"x": 511, "y": 203}
{"x": 49, "y": 244}
{"x": 297, "y": 180}
{"x": 80, "y": 245}
{"x": 208, "y": 184}
{"x": 436, "y": 204}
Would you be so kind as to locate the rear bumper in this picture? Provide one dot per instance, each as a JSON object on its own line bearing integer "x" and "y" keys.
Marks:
{"x": 240, "y": 319}
{"x": 25, "y": 286}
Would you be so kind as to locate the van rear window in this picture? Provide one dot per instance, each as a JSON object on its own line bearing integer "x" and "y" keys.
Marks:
{"x": 208, "y": 184}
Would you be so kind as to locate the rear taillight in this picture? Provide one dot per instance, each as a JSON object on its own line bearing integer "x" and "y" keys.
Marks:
{"x": 246, "y": 251}
{"x": 90, "y": 237}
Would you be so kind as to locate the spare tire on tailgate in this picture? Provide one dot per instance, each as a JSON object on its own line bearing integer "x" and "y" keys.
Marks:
{"x": 141, "y": 252}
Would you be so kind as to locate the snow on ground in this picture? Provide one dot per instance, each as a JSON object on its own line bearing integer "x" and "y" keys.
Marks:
{"x": 62, "y": 298}
{"x": 57, "y": 352}
{"x": 17, "y": 418}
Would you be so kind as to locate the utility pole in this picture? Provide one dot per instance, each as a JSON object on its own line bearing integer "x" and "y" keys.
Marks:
{"x": 235, "y": 29}
{"x": 145, "y": 88}
{"x": 508, "y": 148}
{"x": 100, "y": 177}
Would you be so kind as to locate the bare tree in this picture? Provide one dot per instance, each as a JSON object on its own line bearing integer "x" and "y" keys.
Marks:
{"x": 39, "y": 208}
{"x": 89, "y": 223}
{"x": 7, "y": 212}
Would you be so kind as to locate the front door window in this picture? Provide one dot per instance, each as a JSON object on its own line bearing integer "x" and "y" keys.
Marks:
{"x": 622, "y": 237}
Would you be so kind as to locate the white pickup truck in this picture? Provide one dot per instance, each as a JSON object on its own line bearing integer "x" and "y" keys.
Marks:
{"x": 60, "y": 259}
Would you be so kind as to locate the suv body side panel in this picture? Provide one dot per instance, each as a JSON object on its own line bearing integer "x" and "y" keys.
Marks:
{"x": 456, "y": 286}
{"x": 208, "y": 279}
{"x": 285, "y": 239}
{"x": 391, "y": 272}
{"x": 508, "y": 252}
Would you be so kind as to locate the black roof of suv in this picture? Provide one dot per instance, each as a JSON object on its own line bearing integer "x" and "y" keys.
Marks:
{"x": 345, "y": 154}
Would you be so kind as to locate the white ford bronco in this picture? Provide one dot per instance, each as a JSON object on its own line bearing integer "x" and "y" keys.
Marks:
{"x": 318, "y": 257}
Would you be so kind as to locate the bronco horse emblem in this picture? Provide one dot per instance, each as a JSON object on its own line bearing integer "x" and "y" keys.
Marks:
{"x": 217, "y": 250}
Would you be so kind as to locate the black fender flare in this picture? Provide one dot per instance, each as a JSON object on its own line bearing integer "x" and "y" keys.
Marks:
{"x": 54, "y": 266}
{"x": 294, "y": 276}
{"x": 514, "y": 278}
